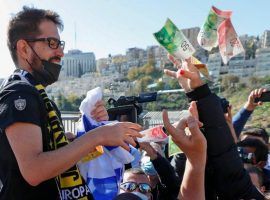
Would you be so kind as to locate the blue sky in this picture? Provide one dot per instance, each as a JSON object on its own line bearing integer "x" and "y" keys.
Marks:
{"x": 112, "y": 26}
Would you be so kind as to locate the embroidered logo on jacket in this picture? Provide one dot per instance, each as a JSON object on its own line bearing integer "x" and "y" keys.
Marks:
{"x": 20, "y": 104}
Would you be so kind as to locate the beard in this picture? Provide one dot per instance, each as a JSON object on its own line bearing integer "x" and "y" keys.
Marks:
{"x": 36, "y": 63}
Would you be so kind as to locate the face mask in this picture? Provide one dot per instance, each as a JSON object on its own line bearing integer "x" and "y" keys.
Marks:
{"x": 49, "y": 72}
{"x": 148, "y": 167}
{"x": 141, "y": 195}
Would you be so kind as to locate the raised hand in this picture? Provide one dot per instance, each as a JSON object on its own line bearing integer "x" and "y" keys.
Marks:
{"x": 100, "y": 113}
{"x": 150, "y": 151}
{"x": 119, "y": 134}
{"x": 193, "y": 145}
{"x": 250, "y": 104}
{"x": 187, "y": 74}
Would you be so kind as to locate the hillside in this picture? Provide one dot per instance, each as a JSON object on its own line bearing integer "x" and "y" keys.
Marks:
{"x": 238, "y": 97}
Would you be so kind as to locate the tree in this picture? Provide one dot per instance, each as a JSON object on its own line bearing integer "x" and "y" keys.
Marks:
{"x": 147, "y": 69}
{"x": 173, "y": 84}
{"x": 250, "y": 49}
{"x": 160, "y": 85}
{"x": 133, "y": 73}
{"x": 145, "y": 81}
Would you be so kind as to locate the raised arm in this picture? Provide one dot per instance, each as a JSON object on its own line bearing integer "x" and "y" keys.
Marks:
{"x": 225, "y": 170}
{"x": 241, "y": 117}
{"x": 194, "y": 146}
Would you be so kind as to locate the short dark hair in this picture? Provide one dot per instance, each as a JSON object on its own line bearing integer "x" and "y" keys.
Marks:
{"x": 26, "y": 23}
{"x": 135, "y": 171}
{"x": 261, "y": 149}
{"x": 258, "y": 132}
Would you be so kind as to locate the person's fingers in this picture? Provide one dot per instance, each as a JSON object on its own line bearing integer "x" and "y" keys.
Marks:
{"x": 194, "y": 112}
{"x": 130, "y": 140}
{"x": 170, "y": 73}
{"x": 170, "y": 129}
{"x": 145, "y": 146}
{"x": 125, "y": 146}
{"x": 181, "y": 124}
{"x": 133, "y": 133}
{"x": 100, "y": 113}
{"x": 98, "y": 110}
{"x": 193, "y": 126}
{"x": 193, "y": 109}
{"x": 252, "y": 96}
{"x": 177, "y": 63}
{"x": 256, "y": 92}
{"x": 171, "y": 58}
{"x": 99, "y": 104}
{"x": 190, "y": 66}
{"x": 200, "y": 124}
{"x": 131, "y": 125}
{"x": 103, "y": 117}
{"x": 260, "y": 103}
{"x": 187, "y": 74}
{"x": 93, "y": 111}
{"x": 261, "y": 90}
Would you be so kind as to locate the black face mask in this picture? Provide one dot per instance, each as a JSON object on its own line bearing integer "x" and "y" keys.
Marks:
{"x": 49, "y": 72}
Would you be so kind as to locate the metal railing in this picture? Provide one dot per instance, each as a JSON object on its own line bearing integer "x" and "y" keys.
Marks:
{"x": 70, "y": 121}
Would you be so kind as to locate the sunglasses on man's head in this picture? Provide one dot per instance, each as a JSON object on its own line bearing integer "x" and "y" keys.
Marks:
{"x": 131, "y": 186}
{"x": 53, "y": 43}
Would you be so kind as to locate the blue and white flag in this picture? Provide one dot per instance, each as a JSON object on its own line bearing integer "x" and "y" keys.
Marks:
{"x": 104, "y": 173}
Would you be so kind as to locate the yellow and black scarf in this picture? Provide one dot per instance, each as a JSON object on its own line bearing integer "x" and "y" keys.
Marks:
{"x": 70, "y": 184}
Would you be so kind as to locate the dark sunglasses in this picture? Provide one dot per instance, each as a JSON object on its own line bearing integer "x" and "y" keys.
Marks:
{"x": 53, "y": 43}
{"x": 131, "y": 186}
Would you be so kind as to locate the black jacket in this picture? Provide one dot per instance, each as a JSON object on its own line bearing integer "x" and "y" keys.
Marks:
{"x": 168, "y": 189}
{"x": 225, "y": 173}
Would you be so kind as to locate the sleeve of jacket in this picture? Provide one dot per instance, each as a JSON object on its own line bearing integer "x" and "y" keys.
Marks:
{"x": 229, "y": 176}
{"x": 167, "y": 175}
{"x": 240, "y": 119}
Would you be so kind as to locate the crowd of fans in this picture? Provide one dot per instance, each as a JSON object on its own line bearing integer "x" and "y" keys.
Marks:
{"x": 233, "y": 151}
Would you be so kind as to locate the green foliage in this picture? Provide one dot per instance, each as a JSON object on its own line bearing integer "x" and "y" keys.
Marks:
{"x": 237, "y": 98}
{"x": 173, "y": 84}
{"x": 160, "y": 86}
{"x": 133, "y": 73}
{"x": 144, "y": 81}
{"x": 143, "y": 76}
{"x": 250, "y": 49}
{"x": 176, "y": 101}
{"x": 69, "y": 103}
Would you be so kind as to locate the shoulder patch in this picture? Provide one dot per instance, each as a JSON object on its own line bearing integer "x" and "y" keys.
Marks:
{"x": 20, "y": 104}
